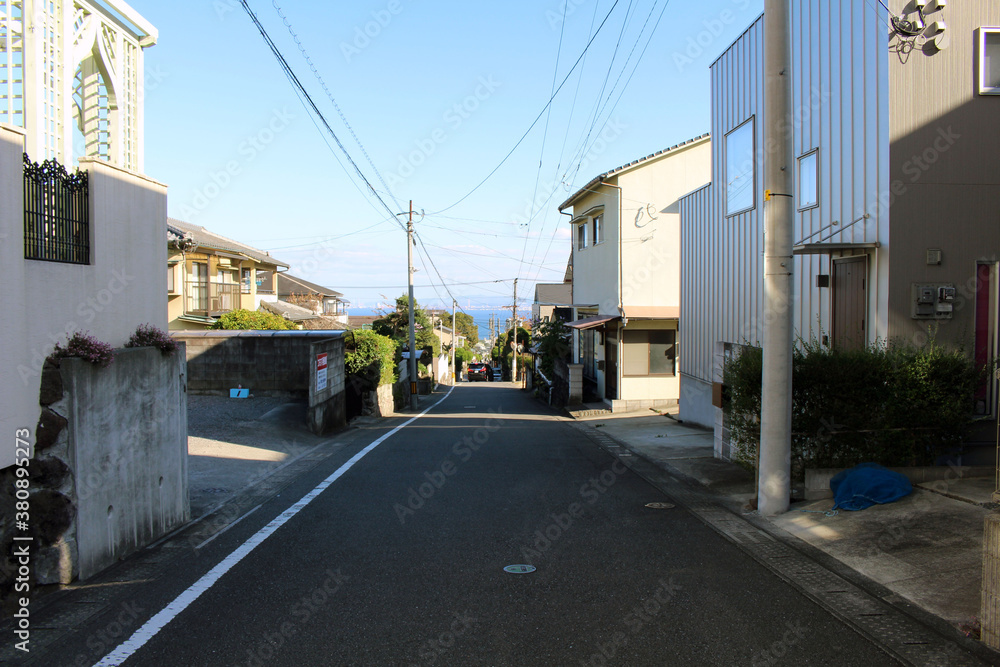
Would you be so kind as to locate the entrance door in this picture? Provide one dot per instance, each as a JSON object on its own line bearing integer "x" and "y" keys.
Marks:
{"x": 850, "y": 302}
{"x": 611, "y": 369}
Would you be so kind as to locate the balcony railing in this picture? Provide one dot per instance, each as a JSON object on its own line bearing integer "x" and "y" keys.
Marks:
{"x": 211, "y": 299}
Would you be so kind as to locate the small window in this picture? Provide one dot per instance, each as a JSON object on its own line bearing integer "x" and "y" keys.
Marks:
{"x": 740, "y": 169}
{"x": 598, "y": 229}
{"x": 809, "y": 180}
{"x": 581, "y": 236}
{"x": 171, "y": 269}
{"x": 989, "y": 61}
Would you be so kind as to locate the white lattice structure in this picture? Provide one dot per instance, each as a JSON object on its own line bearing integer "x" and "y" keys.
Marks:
{"x": 74, "y": 68}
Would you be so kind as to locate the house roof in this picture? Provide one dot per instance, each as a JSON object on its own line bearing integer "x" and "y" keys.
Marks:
{"x": 597, "y": 180}
{"x": 357, "y": 321}
{"x": 288, "y": 285}
{"x": 288, "y": 310}
{"x": 177, "y": 230}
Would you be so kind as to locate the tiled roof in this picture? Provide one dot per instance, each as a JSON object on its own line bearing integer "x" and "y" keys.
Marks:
{"x": 177, "y": 230}
{"x": 288, "y": 310}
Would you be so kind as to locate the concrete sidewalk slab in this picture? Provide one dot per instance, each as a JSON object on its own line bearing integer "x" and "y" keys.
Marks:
{"x": 925, "y": 548}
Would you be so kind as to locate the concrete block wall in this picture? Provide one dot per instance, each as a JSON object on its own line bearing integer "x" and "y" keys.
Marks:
{"x": 276, "y": 363}
{"x": 327, "y": 406}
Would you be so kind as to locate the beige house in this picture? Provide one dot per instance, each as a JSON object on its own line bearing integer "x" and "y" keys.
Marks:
{"x": 552, "y": 301}
{"x": 626, "y": 275}
{"x": 209, "y": 275}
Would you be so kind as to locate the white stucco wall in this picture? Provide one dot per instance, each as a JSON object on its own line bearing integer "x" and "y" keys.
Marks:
{"x": 124, "y": 286}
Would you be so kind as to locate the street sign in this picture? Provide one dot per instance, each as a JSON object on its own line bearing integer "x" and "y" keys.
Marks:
{"x": 321, "y": 371}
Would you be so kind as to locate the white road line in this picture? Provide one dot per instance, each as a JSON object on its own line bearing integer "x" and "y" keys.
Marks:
{"x": 151, "y": 627}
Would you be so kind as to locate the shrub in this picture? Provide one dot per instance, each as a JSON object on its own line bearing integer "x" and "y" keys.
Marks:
{"x": 463, "y": 356}
{"x": 86, "y": 347}
{"x": 244, "y": 320}
{"x": 146, "y": 335}
{"x": 893, "y": 404}
{"x": 372, "y": 355}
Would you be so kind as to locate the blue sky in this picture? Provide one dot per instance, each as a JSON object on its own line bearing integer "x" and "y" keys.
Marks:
{"x": 437, "y": 93}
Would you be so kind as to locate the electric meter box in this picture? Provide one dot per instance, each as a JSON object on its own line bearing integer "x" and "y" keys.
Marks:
{"x": 932, "y": 301}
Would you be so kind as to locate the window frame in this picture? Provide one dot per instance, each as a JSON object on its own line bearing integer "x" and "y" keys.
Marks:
{"x": 751, "y": 121}
{"x": 581, "y": 235}
{"x": 598, "y": 231}
{"x": 982, "y": 33}
{"x": 813, "y": 154}
{"x": 626, "y": 345}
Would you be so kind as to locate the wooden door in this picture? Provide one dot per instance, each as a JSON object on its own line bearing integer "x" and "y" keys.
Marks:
{"x": 850, "y": 302}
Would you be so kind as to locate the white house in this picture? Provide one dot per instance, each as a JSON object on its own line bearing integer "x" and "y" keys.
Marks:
{"x": 80, "y": 252}
{"x": 626, "y": 293}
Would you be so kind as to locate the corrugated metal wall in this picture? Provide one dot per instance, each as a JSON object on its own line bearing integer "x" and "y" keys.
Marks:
{"x": 840, "y": 106}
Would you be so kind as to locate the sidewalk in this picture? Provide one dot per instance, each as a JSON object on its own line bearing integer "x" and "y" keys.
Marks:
{"x": 925, "y": 548}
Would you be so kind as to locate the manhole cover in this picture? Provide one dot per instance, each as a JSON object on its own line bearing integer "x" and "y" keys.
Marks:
{"x": 660, "y": 506}
{"x": 519, "y": 569}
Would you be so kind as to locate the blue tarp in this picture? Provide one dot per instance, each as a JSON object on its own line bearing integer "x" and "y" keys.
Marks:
{"x": 867, "y": 484}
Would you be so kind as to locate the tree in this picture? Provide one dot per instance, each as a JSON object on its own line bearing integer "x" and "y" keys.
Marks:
{"x": 396, "y": 325}
{"x": 554, "y": 342}
{"x": 467, "y": 327}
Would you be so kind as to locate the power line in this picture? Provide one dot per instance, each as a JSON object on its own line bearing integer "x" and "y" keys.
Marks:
{"x": 537, "y": 118}
{"x": 329, "y": 95}
{"x": 290, "y": 74}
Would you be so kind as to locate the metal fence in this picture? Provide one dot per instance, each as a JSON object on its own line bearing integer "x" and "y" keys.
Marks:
{"x": 56, "y": 213}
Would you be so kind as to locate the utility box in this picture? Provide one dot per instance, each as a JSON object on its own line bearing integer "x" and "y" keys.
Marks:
{"x": 932, "y": 301}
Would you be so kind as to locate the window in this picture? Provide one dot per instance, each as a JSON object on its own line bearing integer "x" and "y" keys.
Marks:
{"x": 649, "y": 352}
{"x": 740, "y": 169}
{"x": 989, "y": 61}
{"x": 581, "y": 236}
{"x": 598, "y": 229}
{"x": 245, "y": 278}
{"x": 809, "y": 180}
{"x": 171, "y": 270}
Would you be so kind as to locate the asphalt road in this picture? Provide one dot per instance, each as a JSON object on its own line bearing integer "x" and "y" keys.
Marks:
{"x": 400, "y": 561}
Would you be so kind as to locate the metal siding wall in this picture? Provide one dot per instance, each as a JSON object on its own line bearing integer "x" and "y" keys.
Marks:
{"x": 840, "y": 83}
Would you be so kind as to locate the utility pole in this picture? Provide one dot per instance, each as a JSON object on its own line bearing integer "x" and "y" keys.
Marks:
{"x": 413, "y": 335}
{"x": 514, "y": 374}
{"x": 774, "y": 467}
{"x": 454, "y": 340}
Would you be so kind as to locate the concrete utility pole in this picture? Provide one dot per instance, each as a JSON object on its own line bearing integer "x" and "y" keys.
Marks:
{"x": 454, "y": 340}
{"x": 514, "y": 374}
{"x": 413, "y": 335}
{"x": 774, "y": 468}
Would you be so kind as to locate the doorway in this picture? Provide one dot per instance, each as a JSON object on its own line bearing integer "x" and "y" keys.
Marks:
{"x": 850, "y": 302}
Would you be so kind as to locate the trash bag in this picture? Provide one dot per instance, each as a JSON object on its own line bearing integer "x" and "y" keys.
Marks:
{"x": 867, "y": 484}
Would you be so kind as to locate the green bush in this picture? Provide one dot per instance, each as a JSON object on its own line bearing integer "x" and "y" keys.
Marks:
{"x": 369, "y": 353}
{"x": 245, "y": 320}
{"x": 893, "y": 404}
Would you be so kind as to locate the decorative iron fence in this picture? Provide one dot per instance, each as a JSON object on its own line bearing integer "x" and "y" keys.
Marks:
{"x": 56, "y": 213}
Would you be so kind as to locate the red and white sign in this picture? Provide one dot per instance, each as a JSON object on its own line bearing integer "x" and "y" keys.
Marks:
{"x": 321, "y": 371}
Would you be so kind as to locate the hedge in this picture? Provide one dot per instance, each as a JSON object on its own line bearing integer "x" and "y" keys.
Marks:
{"x": 893, "y": 404}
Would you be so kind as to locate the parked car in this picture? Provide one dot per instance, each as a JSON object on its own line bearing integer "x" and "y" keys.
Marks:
{"x": 478, "y": 371}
